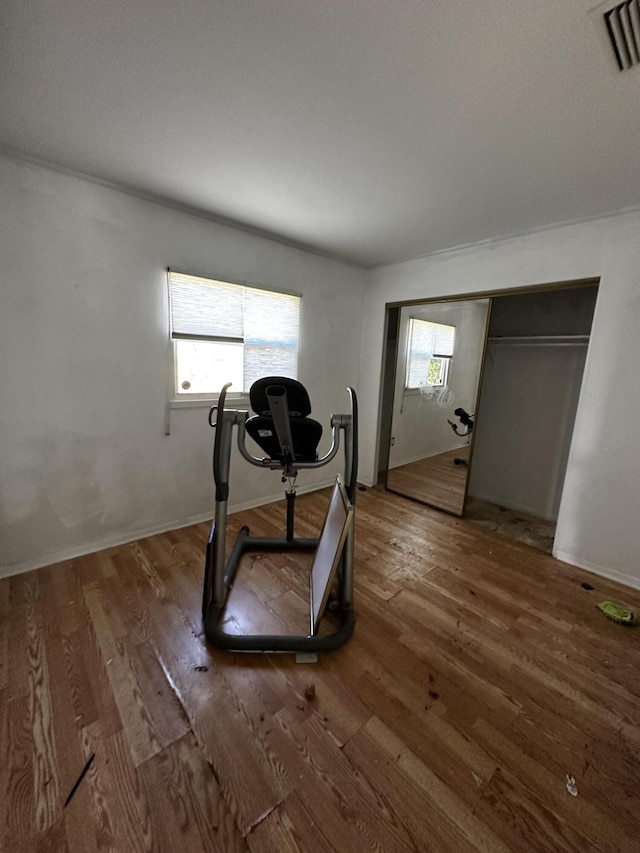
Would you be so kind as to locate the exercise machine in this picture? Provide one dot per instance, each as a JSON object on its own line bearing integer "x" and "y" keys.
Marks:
{"x": 466, "y": 420}
{"x": 289, "y": 438}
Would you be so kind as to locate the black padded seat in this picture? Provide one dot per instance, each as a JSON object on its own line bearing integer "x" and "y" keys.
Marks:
{"x": 305, "y": 431}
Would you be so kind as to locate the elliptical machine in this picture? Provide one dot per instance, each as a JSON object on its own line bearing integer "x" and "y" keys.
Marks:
{"x": 289, "y": 437}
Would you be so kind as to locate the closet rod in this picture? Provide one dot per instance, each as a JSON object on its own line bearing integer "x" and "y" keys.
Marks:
{"x": 540, "y": 341}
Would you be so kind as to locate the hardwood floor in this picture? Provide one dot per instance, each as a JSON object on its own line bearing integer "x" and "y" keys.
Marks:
{"x": 434, "y": 480}
{"x": 480, "y": 676}
{"x": 538, "y": 532}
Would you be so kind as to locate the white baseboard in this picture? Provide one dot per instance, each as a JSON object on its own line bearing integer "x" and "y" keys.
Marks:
{"x": 142, "y": 533}
{"x": 594, "y": 568}
{"x": 271, "y": 499}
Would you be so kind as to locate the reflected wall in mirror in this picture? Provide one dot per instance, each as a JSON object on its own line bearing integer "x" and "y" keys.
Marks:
{"x": 438, "y": 368}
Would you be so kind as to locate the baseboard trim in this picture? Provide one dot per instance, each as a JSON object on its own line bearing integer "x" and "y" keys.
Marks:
{"x": 595, "y": 569}
{"x": 142, "y": 533}
{"x": 302, "y": 490}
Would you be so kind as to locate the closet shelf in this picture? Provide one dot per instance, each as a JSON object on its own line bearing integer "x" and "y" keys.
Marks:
{"x": 540, "y": 341}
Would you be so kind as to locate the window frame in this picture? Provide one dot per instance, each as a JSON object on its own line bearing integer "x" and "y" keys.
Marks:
{"x": 444, "y": 358}
{"x": 178, "y": 400}
{"x": 445, "y": 363}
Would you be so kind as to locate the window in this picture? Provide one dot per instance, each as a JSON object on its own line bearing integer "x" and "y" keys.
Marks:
{"x": 225, "y": 332}
{"x": 429, "y": 353}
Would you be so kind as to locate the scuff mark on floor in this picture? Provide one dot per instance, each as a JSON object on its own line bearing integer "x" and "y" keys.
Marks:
{"x": 260, "y": 818}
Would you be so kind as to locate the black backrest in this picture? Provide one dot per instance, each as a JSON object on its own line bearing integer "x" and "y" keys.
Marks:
{"x": 297, "y": 397}
{"x": 305, "y": 432}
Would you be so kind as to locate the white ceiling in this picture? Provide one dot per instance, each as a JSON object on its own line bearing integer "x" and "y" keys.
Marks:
{"x": 371, "y": 130}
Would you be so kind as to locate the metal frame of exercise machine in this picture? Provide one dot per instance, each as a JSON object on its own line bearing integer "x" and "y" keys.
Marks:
{"x": 219, "y": 575}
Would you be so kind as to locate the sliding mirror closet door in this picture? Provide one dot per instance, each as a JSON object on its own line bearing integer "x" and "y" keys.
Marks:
{"x": 438, "y": 368}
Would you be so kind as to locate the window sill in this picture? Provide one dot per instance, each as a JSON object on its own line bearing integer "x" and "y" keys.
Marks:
{"x": 411, "y": 392}
{"x": 235, "y": 402}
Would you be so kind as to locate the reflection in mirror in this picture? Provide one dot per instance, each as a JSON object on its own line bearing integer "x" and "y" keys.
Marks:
{"x": 438, "y": 367}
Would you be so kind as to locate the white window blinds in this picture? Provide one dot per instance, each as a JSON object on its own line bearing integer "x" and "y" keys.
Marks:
{"x": 266, "y": 322}
{"x": 206, "y": 309}
{"x": 271, "y": 335}
{"x": 426, "y": 341}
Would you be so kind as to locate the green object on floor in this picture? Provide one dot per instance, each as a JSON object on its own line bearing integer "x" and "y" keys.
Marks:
{"x": 618, "y": 612}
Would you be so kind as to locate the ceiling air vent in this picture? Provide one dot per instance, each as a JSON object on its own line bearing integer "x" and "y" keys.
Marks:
{"x": 623, "y": 27}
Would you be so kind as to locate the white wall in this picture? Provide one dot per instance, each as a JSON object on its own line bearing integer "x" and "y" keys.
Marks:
{"x": 84, "y": 461}
{"x": 597, "y": 524}
{"x": 420, "y": 427}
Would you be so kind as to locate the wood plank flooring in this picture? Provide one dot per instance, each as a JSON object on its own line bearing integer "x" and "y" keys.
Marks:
{"x": 479, "y": 677}
{"x": 434, "y": 480}
{"x": 538, "y": 532}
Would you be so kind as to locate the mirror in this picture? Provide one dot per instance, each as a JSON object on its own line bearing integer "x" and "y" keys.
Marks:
{"x": 437, "y": 377}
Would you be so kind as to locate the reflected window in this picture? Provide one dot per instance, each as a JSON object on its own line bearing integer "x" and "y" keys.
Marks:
{"x": 429, "y": 352}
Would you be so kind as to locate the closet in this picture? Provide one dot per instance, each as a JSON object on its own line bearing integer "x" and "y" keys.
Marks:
{"x": 535, "y": 355}
{"x": 529, "y": 374}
